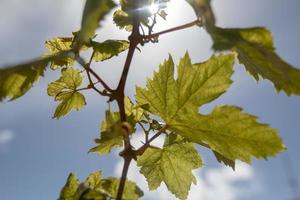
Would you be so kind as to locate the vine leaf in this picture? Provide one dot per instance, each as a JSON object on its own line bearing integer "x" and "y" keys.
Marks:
{"x": 133, "y": 111}
{"x": 195, "y": 85}
{"x": 69, "y": 191}
{"x": 16, "y": 80}
{"x": 123, "y": 20}
{"x": 108, "y": 49}
{"x": 94, "y": 12}
{"x": 57, "y": 45}
{"x": 172, "y": 165}
{"x": 131, "y": 190}
{"x": 256, "y": 51}
{"x": 204, "y": 12}
{"x": 96, "y": 187}
{"x": 227, "y": 130}
{"x": 65, "y": 90}
{"x": 111, "y": 134}
{"x": 222, "y": 159}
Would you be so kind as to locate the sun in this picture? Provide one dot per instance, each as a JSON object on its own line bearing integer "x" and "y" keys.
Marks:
{"x": 153, "y": 8}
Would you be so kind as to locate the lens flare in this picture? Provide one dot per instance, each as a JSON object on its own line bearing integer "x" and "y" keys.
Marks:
{"x": 153, "y": 8}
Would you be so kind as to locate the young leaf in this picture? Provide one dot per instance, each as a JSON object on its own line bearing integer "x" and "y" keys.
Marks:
{"x": 256, "y": 51}
{"x": 173, "y": 165}
{"x": 227, "y": 130}
{"x": 16, "y": 81}
{"x": 122, "y": 20}
{"x": 70, "y": 101}
{"x": 231, "y": 132}
{"x": 134, "y": 111}
{"x": 195, "y": 85}
{"x": 109, "y": 187}
{"x": 94, "y": 12}
{"x": 65, "y": 90}
{"x": 108, "y": 49}
{"x": 111, "y": 134}
{"x": 69, "y": 191}
{"x": 222, "y": 159}
{"x": 204, "y": 12}
{"x": 131, "y": 190}
{"x": 57, "y": 45}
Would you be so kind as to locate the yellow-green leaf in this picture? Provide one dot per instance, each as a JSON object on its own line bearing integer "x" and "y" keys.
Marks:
{"x": 109, "y": 186}
{"x": 172, "y": 165}
{"x": 111, "y": 134}
{"x": 70, "y": 101}
{"x": 69, "y": 191}
{"x": 122, "y": 20}
{"x": 16, "y": 81}
{"x": 108, "y": 49}
{"x": 204, "y": 12}
{"x": 65, "y": 90}
{"x": 230, "y": 132}
{"x": 94, "y": 12}
{"x": 227, "y": 131}
{"x": 256, "y": 51}
{"x": 134, "y": 111}
{"x": 56, "y": 45}
{"x": 195, "y": 85}
{"x": 131, "y": 190}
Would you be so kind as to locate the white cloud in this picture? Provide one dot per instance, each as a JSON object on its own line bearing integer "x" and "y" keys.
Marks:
{"x": 212, "y": 183}
{"x": 6, "y": 136}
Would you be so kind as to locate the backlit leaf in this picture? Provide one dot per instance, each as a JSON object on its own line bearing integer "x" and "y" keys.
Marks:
{"x": 16, "y": 80}
{"x": 131, "y": 190}
{"x": 227, "y": 130}
{"x": 196, "y": 85}
{"x": 56, "y": 45}
{"x": 204, "y": 12}
{"x": 172, "y": 165}
{"x": 65, "y": 90}
{"x": 108, "y": 49}
{"x": 69, "y": 191}
{"x": 94, "y": 12}
{"x": 111, "y": 134}
{"x": 256, "y": 51}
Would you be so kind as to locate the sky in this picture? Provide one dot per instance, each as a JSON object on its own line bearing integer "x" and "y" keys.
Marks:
{"x": 37, "y": 152}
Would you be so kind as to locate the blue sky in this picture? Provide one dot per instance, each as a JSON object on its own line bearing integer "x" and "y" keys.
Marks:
{"x": 37, "y": 152}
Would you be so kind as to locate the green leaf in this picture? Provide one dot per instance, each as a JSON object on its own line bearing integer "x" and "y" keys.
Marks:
{"x": 94, "y": 12}
{"x": 172, "y": 165}
{"x": 16, "y": 81}
{"x": 109, "y": 187}
{"x": 222, "y": 159}
{"x": 131, "y": 190}
{"x": 108, "y": 49}
{"x": 204, "y": 12}
{"x": 111, "y": 134}
{"x": 57, "y": 45}
{"x": 94, "y": 180}
{"x": 228, "y": 131}
{"x": 69, "y": 191}
{"x": 134, "y": 111}
{"x": 70, "y": 101}
{"x": 65, "y": 90}
{"x": 256, "y": 51}
{"x": 196, "y": 85}
{"x": 122, "y": 20}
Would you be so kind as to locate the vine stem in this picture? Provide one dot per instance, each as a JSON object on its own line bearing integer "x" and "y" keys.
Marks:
{"x": 128, "y": 154}
{"x": 184, "y": 26}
